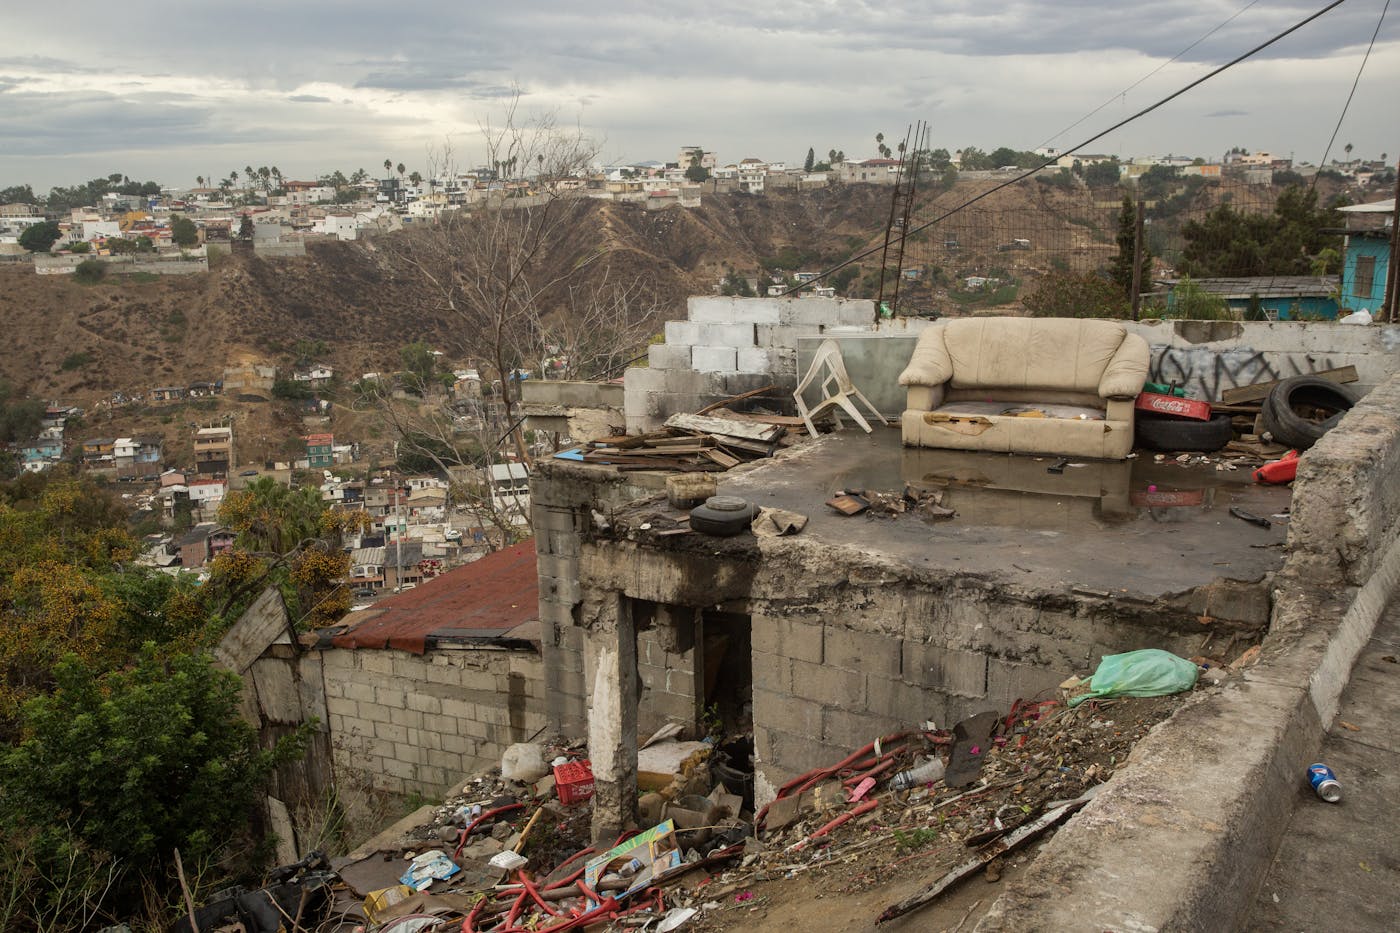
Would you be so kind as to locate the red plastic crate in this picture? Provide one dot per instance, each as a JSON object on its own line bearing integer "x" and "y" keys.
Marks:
{"x": 1172, "y": 407}
{"x": 574, "y": 781}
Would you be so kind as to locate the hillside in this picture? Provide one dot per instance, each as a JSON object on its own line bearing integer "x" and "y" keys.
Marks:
{"x": 128, "y": 336}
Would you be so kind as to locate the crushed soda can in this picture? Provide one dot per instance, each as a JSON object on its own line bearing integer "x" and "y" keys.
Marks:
{"x": 1324, "y": 782}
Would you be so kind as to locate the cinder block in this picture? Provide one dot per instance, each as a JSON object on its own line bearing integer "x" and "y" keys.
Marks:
{"x": 408, "y": 718}
{"x": 359, "y": 691}
{"x": 851, "y": 730}
{"x": 723, "y": 335}
{"x": 1008, "y": 681}
{"x": 796, "y": 754}
{"x": 721, "y": 310}
{"x": 809, "y": 311}
{"x": 948, "y": 670}
{"x": 892, "y": 697}
{"x": 683, "y": 333}
{"x": 784, "y": 336}
{"x": 828, "y": 685}
{"x": 668, "y": 356}
{"x": 458, "y": 708}
{"x": 389, "y": 697}
{"x": 771, "y": 672}
{"x": 391, "y": 731}
{"x": 642, "y": 379}
{"x": 755, "y": 360}
{"x": 788, "y": 637}
{"x": 714, "y": 359}
{"x": 781, "y": 711}
{"x": 856, "y": 314}
{"x": 873, "y": 653}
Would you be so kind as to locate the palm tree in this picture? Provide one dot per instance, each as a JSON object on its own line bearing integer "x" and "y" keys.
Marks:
{"x": 388, "y": 166}
{"x": 1347, "y": 148}
{"x": 400, "y": 172}
{"x": 199, "y": 180}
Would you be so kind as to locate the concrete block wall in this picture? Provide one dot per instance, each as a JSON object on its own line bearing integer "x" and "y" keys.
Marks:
{"x": 404, "y": 723}
{"x": 852, "y": 667}
{"x": 728, "y": 346}
{"x": 563, "y": 496}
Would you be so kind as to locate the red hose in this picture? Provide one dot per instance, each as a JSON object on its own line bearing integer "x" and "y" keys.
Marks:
{"x": 819, "y": 774}
{"x": 490, "y": 814}
{"x": 534, "y": 892}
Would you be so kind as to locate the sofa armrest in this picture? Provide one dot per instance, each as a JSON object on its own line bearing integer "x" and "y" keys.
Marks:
{"x": 1126, "y": 372}
{"x": 930, "y": 364}
{"x": 1119, "y": 409}
{"x": 925, "y": 398}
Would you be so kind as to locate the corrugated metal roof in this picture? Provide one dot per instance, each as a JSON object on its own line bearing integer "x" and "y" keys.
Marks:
{"x": 481, "y": 600}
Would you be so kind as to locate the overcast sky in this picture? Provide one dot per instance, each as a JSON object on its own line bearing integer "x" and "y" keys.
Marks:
{"x": 170, "y": 90}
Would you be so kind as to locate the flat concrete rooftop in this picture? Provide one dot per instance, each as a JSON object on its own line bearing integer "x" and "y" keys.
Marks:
{"x": 1136, "y": 528}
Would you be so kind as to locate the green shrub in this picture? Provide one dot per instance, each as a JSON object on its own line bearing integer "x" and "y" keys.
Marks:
{"x": 75, "y": 361}
{"x": 90, "y": 271}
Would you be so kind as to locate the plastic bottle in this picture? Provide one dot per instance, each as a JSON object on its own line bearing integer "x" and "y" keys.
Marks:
{"x": 928, "y": 771}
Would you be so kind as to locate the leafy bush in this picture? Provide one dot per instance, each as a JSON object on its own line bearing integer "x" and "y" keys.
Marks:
{"x": 90, "y": 271}
{"x": 1071, "y": 294}
{"x": 75, "y": 361}
{"x": 133, "y": 764}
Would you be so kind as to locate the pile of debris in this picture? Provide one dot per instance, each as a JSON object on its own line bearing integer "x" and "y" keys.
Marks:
{"x": 511, "y": 852}
{"x": 694, "y": 443}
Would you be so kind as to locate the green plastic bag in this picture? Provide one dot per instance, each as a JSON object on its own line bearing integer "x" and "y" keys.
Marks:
{"x": 1148, "y": 672}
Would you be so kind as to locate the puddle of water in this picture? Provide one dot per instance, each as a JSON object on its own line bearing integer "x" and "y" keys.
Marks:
{"x": 1021, "y": 491}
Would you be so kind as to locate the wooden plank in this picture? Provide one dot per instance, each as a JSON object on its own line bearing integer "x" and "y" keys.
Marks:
{"x": 736, "y": 398}
{"x": 722, "y": 458}
{"x": 702, "y": 424}
{"x": 787, "y": 421}
{"x": 760, "y": 448}
{"x": 684, "y": 440}
{"x": 1260, "y": 390}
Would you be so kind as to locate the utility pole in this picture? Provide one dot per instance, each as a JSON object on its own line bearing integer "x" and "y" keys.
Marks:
{"x": 1137, "y": 262}
{"x": 398, "y": 541}
{"x": 1389, "y": 311}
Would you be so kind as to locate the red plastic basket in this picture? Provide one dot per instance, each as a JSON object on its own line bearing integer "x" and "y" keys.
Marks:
{"x": 573, "y": 781}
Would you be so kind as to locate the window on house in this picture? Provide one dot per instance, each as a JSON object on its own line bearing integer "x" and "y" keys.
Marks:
{"x": 1365, "y": 278}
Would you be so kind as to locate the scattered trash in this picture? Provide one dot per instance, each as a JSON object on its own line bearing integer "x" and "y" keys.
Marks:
{"x": 1282, "y": 470}
{"x": 1147, "y": 672}
{"x": 1324, "y": 782}
{"x": 648, "y": 856}
{"x": 524, "y": 762}
{"x": 1058, "y": 466}
{"x": 848, "y": 503}
{"x": 777, "y": 523}
{"x": 1250, "y": 517}
{"x": 431, "y": 866}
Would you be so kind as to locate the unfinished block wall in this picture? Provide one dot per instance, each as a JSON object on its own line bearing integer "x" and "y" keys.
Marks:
{"x": 404, "y": 723}
{"x": 728, "y": 346}
{"x": 563, "y": 499}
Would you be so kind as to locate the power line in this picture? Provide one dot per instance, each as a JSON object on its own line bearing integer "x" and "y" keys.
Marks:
{"x": 1123, "y": 93}
{"x": 1337, "y": 129}
{"x": 1092, "y": 139}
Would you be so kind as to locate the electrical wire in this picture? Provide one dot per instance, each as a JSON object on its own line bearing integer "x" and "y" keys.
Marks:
{"x": 1124, "y": 93}
{"x": 1338, "y": 128}
{"x": 1092, "y": 139}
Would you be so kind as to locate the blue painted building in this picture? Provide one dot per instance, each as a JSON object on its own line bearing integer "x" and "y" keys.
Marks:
{"x": 1281, "y": 297}
{"x": 1367, "y": 260}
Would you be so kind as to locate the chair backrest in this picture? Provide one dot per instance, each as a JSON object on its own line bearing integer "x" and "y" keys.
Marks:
{"x": 1066, "y": 354}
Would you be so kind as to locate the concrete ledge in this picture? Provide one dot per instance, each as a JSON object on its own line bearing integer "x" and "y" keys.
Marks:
{"x": 1182, "y": 836}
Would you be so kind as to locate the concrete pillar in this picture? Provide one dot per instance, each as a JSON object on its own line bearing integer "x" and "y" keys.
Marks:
{"x": 612, "y": 718}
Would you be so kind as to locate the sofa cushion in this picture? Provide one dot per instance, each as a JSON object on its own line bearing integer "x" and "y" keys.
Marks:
{"x": 1068, "y": 354}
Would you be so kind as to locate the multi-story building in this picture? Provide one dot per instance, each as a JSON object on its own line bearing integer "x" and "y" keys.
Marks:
{"x": 213, "y": 450}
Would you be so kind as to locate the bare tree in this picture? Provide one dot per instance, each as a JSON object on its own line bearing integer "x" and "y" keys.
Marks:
{"x": 519, "y": 289}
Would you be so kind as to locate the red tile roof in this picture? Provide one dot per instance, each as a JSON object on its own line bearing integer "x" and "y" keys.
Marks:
{"x": 483, "y": 599}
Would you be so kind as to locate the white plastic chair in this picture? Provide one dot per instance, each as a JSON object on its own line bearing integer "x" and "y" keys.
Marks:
{"x": 828, "y": 360}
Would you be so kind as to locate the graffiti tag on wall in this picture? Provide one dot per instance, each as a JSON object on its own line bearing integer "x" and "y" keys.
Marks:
{"x": 1205, "y": 373}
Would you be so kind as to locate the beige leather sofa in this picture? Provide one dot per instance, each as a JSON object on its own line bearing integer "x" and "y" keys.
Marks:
{"x": 1061, "y": 386}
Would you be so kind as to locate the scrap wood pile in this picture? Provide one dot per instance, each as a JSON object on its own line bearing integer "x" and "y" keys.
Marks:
{"x": 694, "y": 443}
{"x": 715, "y": 438}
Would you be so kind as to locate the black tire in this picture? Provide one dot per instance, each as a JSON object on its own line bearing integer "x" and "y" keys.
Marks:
{"x": 1280, "y": 414}
{"x": 1174, "y": 434}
